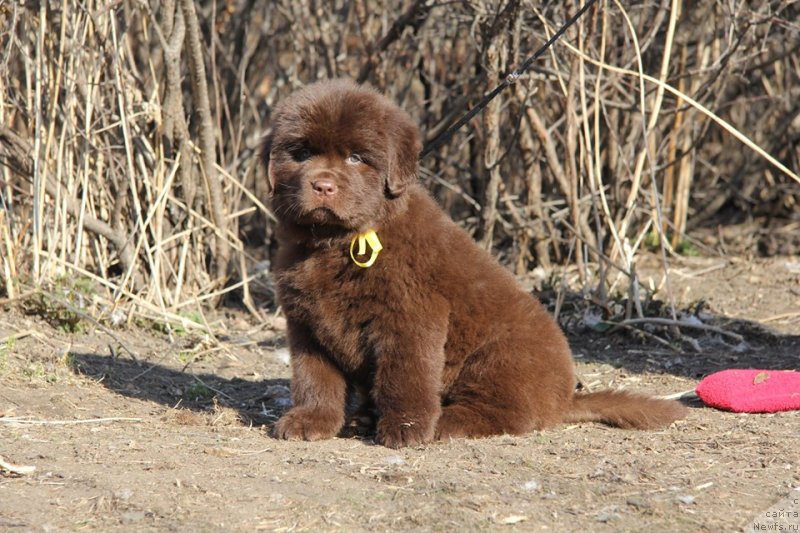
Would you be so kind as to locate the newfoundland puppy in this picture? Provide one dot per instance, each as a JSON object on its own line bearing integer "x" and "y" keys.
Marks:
{"x": 386, "y": 297}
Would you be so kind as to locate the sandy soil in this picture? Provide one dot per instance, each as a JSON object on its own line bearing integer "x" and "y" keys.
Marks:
{"x": 177, "y": 439}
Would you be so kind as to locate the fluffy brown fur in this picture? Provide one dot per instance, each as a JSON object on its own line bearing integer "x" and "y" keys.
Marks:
{"x": 436, "y": 334}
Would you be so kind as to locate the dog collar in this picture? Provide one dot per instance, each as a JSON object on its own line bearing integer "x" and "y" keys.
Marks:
{"x": 368, "y": 237}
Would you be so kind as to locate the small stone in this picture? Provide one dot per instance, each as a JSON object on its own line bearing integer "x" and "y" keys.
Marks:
{"x": 742, "y": 347}
{"x": 118, "y": 317}
{"x": 129, "y": 517}
{"x": 277, "y": 391}
{"x": 282, "y": 402}
{"x": 123, "y": 494}
{"x": 604, "y": 517}
{"x": 513, "y": 519}
{"x": 531, "y": 486}
{"x": 638, "y": 503}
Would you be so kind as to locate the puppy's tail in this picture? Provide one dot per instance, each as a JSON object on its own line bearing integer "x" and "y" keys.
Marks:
{"x": 624, "y": 410}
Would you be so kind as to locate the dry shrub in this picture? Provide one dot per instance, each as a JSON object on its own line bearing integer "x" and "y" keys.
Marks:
{"x": 129, "y": 130}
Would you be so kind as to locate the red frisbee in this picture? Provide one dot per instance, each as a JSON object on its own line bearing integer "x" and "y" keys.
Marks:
{"x": 751, "y": 390}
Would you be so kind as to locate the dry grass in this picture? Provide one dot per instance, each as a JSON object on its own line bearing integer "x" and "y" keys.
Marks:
{"x": 128, "y": 132}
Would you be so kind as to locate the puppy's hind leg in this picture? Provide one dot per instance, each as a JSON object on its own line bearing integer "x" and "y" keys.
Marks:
{"x": 500, "y": 395}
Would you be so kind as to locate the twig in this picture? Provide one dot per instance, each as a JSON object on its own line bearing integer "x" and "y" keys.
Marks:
{"x": 495, "y": 57}
{"x": 83, "y": 314}
{"x": 779, "y": 317}
{"x": 414, "y": 17}
{"x": 17, "y": 336}
{"x": 33, "y": 422}
{"x": 19, "y": 470}
{"x": 744, "y": 139}
{"x": 648, "y": 335}
{"x": 678, "y": 324}
{"x": 15, "y": 151}
{"x": 209, "y": 387}
{"x": 685, "y": 395}
{"x": 203, "y": 108}
{"x": 700, "y": 272}
{"x": 137, "y": 300}
{"x": 511, "y": 78}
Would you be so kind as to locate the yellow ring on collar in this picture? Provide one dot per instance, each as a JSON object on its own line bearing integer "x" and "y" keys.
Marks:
{"x": 368, "y": 237}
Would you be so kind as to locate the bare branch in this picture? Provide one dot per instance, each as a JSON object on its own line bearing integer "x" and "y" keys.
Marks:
{"x": 206, "y": 131}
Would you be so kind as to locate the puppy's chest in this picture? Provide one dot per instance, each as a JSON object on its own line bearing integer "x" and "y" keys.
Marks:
{"x": 337, "y": 300}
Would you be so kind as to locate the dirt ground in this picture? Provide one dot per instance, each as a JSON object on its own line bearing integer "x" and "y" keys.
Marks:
{"x": 177, "y": 438}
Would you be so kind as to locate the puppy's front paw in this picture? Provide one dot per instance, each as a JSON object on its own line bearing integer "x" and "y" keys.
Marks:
{"x": 396, "y": 432}
{"x": 302, "y": 423}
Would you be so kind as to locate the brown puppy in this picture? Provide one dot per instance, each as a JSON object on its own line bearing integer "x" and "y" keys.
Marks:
{"x": 438, "y": 335}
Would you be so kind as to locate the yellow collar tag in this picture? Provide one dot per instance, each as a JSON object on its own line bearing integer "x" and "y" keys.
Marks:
{"x": 368, "y": 237}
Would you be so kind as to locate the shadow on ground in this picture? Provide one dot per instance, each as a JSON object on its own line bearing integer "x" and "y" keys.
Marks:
{"x": 257, "y": 401}
{"x": 693, "y": 343}
{"x": 688, "y": 352}
{"x": 649, "y": 348}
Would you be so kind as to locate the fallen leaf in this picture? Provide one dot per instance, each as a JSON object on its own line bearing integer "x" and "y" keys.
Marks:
{"x": 219, "y": 452}
{"x": 761, "y": 376}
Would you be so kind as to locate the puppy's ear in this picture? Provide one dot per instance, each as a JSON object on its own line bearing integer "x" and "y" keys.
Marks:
{"x": 403, "y": 158}
{"x": 264, "y": 154}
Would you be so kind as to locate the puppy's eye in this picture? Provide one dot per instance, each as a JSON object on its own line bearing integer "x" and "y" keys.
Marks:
{"x": 355, "y": 159}
{"x": 301, "y": 154}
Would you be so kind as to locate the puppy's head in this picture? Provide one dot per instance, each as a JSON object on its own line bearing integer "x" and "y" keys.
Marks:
{"x": 339, "y": 155}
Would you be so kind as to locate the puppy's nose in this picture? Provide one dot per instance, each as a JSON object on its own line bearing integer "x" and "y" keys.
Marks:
{"x": 324, "y": 187}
